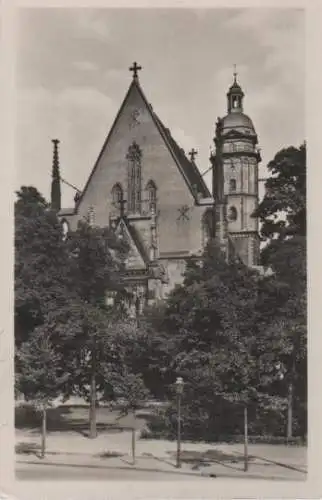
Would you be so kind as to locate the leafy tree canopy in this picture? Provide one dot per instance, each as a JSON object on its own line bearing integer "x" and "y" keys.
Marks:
{"x": 283, "y": 208}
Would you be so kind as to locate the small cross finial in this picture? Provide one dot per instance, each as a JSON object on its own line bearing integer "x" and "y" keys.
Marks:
{"x": 192, "y": 154}
{"x": 235, "y": 74}
{"x": 135, "y": 68}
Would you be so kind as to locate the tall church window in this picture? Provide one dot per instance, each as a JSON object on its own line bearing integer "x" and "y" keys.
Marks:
{"x": 232, "y": 185}
{"x": 207, "y": 226}
{"x": 151, "y": 191}
{"x": 134, "y": 157}
{"x": 117, "y": 195}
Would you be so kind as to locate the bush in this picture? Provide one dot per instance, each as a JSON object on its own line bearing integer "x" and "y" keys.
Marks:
{"x": 26, "y": 416}
{"x": 27, "y": 449}
{"x": 159, "y": 426}
{"x": 225, "y": 423}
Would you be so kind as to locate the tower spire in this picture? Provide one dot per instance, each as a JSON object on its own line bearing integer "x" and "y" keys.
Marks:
{"x": 235, "y": 74}
{"x": 55, "y": 181}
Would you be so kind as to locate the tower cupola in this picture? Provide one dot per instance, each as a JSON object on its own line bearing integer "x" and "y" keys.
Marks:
{"x": 235, "y": 96}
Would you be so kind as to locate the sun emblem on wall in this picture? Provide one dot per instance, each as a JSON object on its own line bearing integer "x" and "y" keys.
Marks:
{"x": 183, "y": 213}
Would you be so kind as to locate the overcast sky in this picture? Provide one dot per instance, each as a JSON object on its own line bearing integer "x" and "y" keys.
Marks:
{"x": 72, "y": 75}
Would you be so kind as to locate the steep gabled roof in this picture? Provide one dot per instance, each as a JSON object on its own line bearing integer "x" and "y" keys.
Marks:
{"x": 187, "y": 168}
{"x": 137, "y": 241}
{"x": 134, "y": 240}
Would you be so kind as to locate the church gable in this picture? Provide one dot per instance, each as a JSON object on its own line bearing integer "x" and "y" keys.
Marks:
{"x": 162, "y": 160}
{"x": 141, "y": 173}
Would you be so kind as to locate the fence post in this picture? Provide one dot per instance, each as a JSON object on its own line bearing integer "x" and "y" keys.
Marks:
{"x": 245, "y": 439}
{"x": 133, "y": 445}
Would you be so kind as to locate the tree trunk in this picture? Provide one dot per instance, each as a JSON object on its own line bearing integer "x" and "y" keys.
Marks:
{"x": 245, "y": 439}
{"x": 290, "y": 398}
{"x": 92, "y": 408}
{"x": 289, "y": 434}
{"x": 43, "y": 432}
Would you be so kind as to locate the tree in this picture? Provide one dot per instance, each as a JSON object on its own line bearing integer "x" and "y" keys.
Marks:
{"x": 283, "y": 216}
{"x": 152, "y": 351}
{"x": 92, "y": 354}
{"x": 210, "y": 326}
{"x": 30, "y": 202}
{"x": 62, "y": 284}
{"x": 40, "y": 260}
{"x": 40, "y": 375}
{"x": 285, "y": 325}
{"x": 95, "y": 264}
{"x": 213, "y": 332}
{"x": 282, "y": 211}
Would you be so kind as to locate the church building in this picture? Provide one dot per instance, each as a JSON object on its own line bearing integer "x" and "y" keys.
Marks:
{"x": 151, "y": 193}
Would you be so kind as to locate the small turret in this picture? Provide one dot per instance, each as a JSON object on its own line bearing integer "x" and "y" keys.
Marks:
{"x": 55, "y": 182}
{"x": 235, "y": 96}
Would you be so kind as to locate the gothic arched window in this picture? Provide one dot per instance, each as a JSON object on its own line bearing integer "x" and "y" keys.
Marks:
{"x": 232, "y": 185}
{"x": 134, "y": 156}
{"x": 207, "y": 226}
{"x": 151, "y": 191}
{"x": 117, "y": 195}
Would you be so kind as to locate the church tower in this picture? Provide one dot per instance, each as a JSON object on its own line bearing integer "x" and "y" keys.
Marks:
{"x": 236, "y": 163}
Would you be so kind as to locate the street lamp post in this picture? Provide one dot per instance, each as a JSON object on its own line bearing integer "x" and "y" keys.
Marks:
{"x": 179, "y": 390}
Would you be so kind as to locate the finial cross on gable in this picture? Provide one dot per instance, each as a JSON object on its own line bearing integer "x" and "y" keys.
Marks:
{"x": 192, "y": 154}
{"x": 135, "y": 68}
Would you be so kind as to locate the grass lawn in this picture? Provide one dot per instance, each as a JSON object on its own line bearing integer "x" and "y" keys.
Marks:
{"x": 76, "y": 418}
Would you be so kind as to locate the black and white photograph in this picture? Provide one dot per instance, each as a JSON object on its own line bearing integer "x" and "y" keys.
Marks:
{"x": 160, "y": 274}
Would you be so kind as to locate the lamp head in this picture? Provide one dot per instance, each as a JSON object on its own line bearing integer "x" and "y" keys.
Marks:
{"x": 179, "y": 385}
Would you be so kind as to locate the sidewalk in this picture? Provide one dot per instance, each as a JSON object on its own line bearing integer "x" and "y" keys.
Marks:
{"x": 112, "y": 450}
{"x": 256, "y": 470}
{"x": 117, "y": 442}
